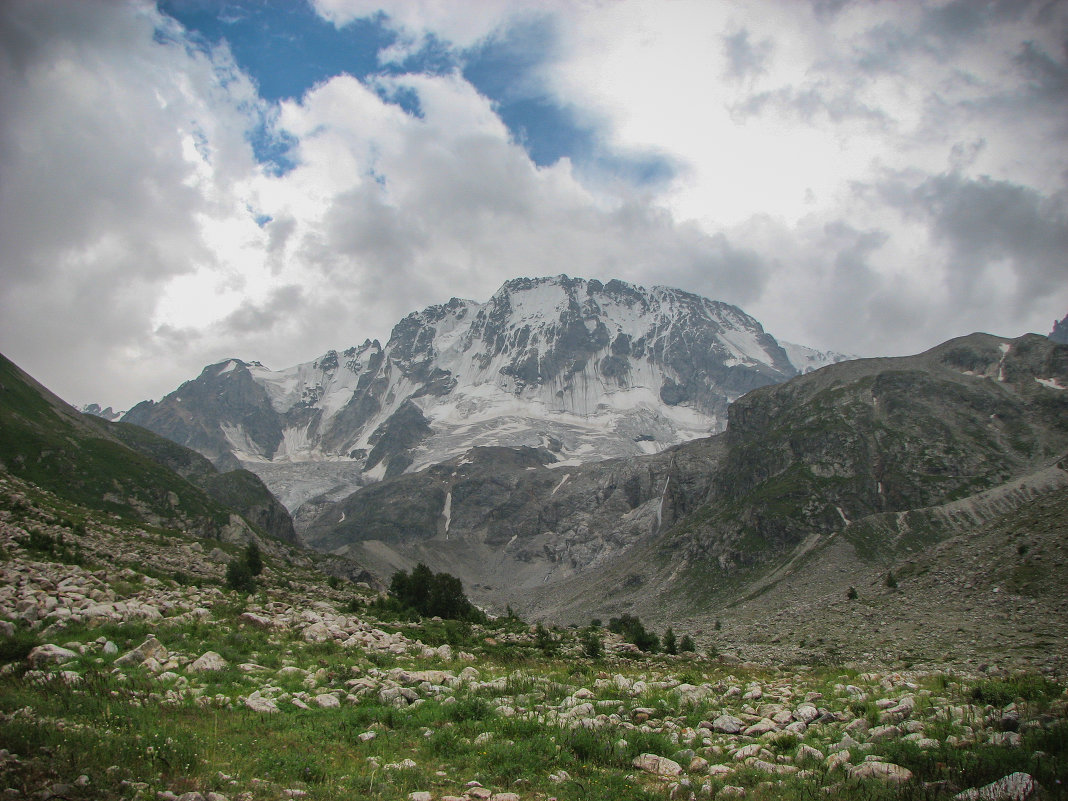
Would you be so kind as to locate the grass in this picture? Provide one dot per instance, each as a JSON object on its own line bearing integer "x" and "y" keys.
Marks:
{"x": 130, "y": 731}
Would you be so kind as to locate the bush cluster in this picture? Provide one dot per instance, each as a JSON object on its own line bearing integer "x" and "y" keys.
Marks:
{"x": 432, "y": 594}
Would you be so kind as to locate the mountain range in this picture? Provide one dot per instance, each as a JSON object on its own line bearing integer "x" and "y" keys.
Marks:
{"x": 584, "y": 369}
{"x": 929, "y": 487}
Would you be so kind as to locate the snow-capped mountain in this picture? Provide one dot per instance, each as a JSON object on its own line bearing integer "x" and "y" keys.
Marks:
{"x": 584, "y": 369}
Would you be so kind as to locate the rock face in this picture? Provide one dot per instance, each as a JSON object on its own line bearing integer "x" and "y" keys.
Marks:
{"x": 1060, "y": 331}
{"x": 886, "y": 455}
{"x": 589, "y": 370}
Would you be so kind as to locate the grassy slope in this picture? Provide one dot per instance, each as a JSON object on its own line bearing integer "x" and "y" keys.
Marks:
{"x": 104, "y": 466}
{"x": 129, "y": 730}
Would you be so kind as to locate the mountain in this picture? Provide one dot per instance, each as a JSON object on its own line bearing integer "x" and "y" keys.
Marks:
{"x": 126, "y": 470}
{"x": 107, "y": 413}
{"x": 1060, "y": 331}
{"x": 838, "y": 473}
{"x": 583, "y": 369}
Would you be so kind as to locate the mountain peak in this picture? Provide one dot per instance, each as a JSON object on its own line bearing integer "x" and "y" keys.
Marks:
{"x": 600, "y": 369}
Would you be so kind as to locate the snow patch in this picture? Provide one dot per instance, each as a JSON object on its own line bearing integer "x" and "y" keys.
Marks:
{"x": 562, "y": 482}
{"x": 447, "y": 512}
{"x": 1051, "y": 383}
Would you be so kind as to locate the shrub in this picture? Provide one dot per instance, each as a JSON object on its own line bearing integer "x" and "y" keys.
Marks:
{"x": 852, "y": 593}
{"x": 591, "y": 644}
{"x": 253, "y": 559}
{"x": 891, "y": 582}
{"x": 239, "y": 577}
{"x": 669, "y": 643}
{"x": 634, "y": 632}
{"x": 433, "y": 594}
{"x": 687, "y": 645}
{"x": 544, "y": 640}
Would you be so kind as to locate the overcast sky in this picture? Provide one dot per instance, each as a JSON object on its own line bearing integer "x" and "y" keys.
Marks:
{"x": 187, "y": 181}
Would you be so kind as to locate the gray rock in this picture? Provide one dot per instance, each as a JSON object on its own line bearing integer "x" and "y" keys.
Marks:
{"x": 50, "y": 654}
{"x": 727, "y": 724}
{"x": 885, "y": 771}
{"x": 209, "y": 660}
{"x": 658, "y": 765}
{"x": 1014, "y": 787}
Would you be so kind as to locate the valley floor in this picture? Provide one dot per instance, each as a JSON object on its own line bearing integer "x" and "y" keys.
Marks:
{"x": 130, "y": 670}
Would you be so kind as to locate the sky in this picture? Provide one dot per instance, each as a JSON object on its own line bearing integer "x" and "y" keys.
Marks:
{"x": 187, "y": 181}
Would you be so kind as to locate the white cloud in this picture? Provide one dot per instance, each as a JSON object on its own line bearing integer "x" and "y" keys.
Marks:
{"x": 832, "y": 181}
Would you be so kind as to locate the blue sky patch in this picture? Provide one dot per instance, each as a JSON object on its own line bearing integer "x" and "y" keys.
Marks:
{"x": 286, "y": 48}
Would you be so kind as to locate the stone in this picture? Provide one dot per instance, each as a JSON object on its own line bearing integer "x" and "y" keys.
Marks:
{"x": 327, "y": 701}
{"x": 658, "y": 765}
{"x": 420, "y": 795}
{"x": 504, "y": 797}
{"x": 257, "y": 703}
{"x": 763, "y": 726}
{"x": 885, "y": 771}
{"x": 209, "y": 660}
{"x": 149, "y": 649}
{"x": 883, "y": 733}
{"x": 727, "y": 724}
{"x": 1014, "y": 787}
{"x": 806, "y": 713}
{"x": 49, "y": 654}
{"x": 731, "y": 791}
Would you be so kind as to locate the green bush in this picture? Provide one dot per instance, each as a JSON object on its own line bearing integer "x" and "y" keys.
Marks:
{"x": 239, "y": 577}
{"x": 670, "y": 644}
{"x": 687, "y": 645}
{"x": 591, "y": 644}
{"x": 433, "y": 594}
{"x": 632, "y": 630}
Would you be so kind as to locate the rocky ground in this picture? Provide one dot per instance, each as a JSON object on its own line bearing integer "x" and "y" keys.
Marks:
{"x": 130, "y": 670}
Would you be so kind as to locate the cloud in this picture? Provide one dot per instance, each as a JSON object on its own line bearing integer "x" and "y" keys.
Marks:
{"x": 990, "y": 226}
{"x": 113, "y": 137}
{"x": 744, "y": 58}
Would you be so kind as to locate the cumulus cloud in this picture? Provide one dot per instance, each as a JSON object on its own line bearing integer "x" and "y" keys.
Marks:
{"x": 872, "y": 177}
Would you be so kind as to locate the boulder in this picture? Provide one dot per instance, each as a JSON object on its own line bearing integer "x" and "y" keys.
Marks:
{"x": 658, "y": 765}
{"x": 885, "y": 771}
{"x": 209, "y": 660}
{"x": 1014, "y": 787}
{"x": 50, "y": 654}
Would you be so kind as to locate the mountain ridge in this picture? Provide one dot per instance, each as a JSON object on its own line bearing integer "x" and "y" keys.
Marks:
{"x": 584, "y": 368}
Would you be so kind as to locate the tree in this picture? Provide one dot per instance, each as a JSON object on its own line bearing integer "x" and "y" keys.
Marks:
{"x": 687, "y": 645}
{"x": 670, "y": 645}
{"x": 634, "y": 632}
{"x": 591, "y": 643}
{"x": 430, "y": 594}
{"x": 253, "y": 558}
{"x": 852, "y": 594}
{"x": 239, "y": 577}
{"x": 891, "y": 582}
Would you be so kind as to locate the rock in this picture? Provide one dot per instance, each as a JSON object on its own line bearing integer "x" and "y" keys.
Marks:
{"x": 1014, "y": 787}
{"x": 209, "y": 660}
{"x": 149, "y": 649}
{"x": 50, "y": 655}
{"x": 257, "y": 703}
{"x": 327, "y": 701}
{"x": 730, "y": 791}
{"x": 727, "y": 724}
{"x": 504, "y": 797}
{"x": 658, "y": 765}
{"x": 191, "y": 796}
{"x": 886, "y": 771}
{"x": 806, "y": 713}
{"x": 806, "y": 753}
{"x": 763, "y": 726}
{"x": 420, "y": 795}
{"x": 883, "y": 733}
